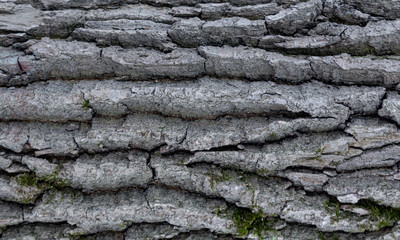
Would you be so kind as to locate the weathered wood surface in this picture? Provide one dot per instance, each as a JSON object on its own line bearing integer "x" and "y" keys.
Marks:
{"x": 207, "y": 119}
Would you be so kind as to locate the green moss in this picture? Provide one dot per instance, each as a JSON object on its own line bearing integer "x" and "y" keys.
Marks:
{"x": 182, "y": 162}
{"x": 332, "y": 206}
{"x": 221, "y": 211}
{"x": 368, "y": 50}
{"x": 253, "y": 195}
{"x": 243, "y": 221}
{"x": 317, "y": 158}
{"x": 125, "y": 224}
{"x": 320, "y": 150}
{"x": 76, "y": 195}
{"x": 226, "y": 176}
{"x": 218, "y": 177}
{"x": 273, "y": 136}
{"x": 266, "y": 172}
{"x": 245, "y": 176}
{"x": 321, "y": 235}
{"x": 247, "y": 221}
{"x": 76, "y": 236}
{"x": 180, "y": 204}
{"x": 55, "y": 180}
{"x": 86, "y": 105}
{"x": 263, "y": 226}
{"x": 326, "y": 236}
{"x": 334, "y": 237}
{"x": 212, "y": 182}
{"x": 45, "y": 182}
{"x": 28, "y": 199}
{"x": 27, "y": 180}
{"x": 385, "y": 216}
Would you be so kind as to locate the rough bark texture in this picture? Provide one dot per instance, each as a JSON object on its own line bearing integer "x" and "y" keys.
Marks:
{"x": 199, "y": 119}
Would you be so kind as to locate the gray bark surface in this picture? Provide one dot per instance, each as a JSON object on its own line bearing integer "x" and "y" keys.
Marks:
{"x": 199, "y": 119}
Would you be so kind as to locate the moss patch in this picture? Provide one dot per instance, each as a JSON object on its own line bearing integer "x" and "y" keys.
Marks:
{"x": 368, "y": 50}
{"x": 55, "y": 180}
{"x": 125, "y": 224}
{"x": 332, "y": 206}
{"x": 76, "y": 236}
{"x": 385, "y": 216}
{"x": 273, "y": 136}
{"x": 247, "y": 221}
{"x": 217, "y": 177}
{"x": 27, "y": 180}
{"x": 318, "y": 154}
{"x": 86, "y": 105}
{"x": 326, "y": 236}
{"x": 46, "y": 182}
